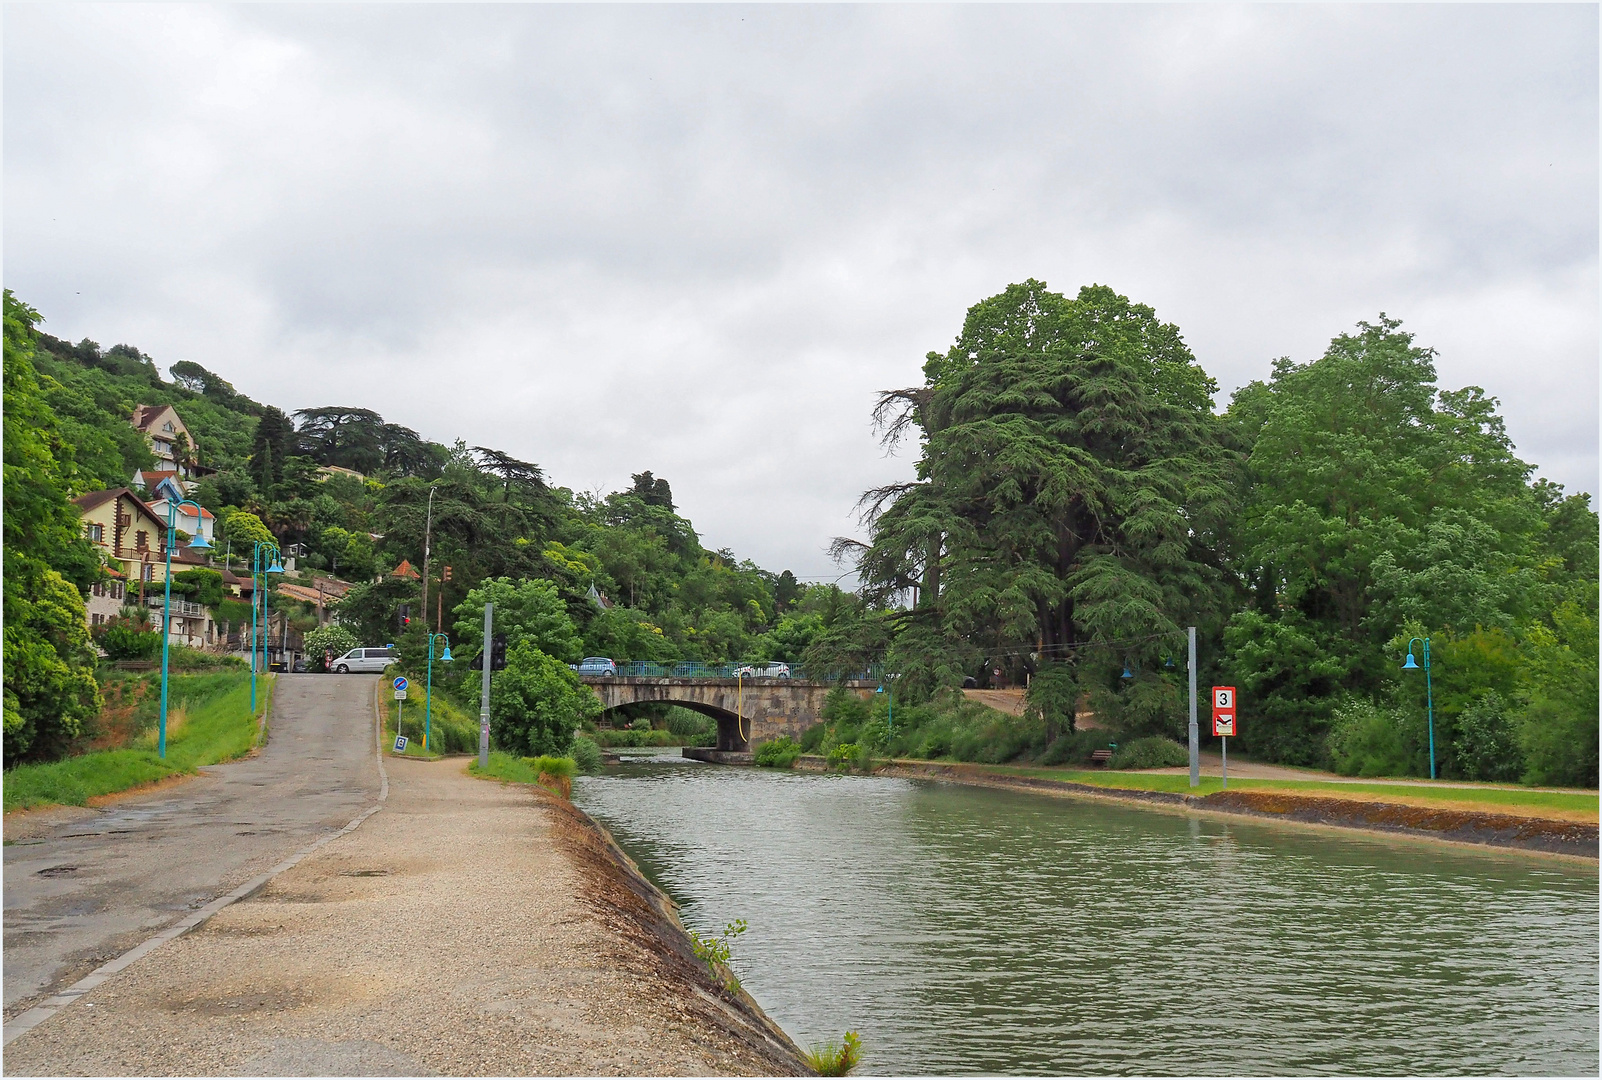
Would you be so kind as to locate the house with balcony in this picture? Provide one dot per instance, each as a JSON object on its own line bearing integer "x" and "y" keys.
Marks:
{"x": 132, "y": 540}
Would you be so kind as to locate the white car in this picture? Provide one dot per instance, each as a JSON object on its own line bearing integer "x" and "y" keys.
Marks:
{"x": 765, "y": 671}
{"x": 363, "y": 662}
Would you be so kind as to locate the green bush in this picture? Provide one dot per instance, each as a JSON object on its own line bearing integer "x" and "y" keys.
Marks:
{"x": 332, "y": 639}
{"x": 536, "y": 702}
{"x": 128, "y": 637}
{"x": 1560, "y": 745}
{"x": 1152, "y": 752}
{"x": 587, "y": 755}
{"x": 1365, "y": 740}
{"x": 845, "y": 756}
{"x": 1075, "y": 747}
{"x": 845, "y": 707}
{"x": 778, "y": 753}
{"x": 812, "y": 738}
{"x": 1485, "y": 744}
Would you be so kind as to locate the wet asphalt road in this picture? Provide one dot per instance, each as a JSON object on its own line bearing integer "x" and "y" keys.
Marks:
{"x": 84, "y": 886}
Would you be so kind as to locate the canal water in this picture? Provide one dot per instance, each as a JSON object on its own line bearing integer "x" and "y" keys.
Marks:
{"x": 967, "y": 930}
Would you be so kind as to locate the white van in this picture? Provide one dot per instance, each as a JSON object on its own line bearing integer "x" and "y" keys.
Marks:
{"x": 363, "y": 662}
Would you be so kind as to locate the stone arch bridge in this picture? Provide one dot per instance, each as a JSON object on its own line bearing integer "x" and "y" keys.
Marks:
{"x": 748, "y": 711}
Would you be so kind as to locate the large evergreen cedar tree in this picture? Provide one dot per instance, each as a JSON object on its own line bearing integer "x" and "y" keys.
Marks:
{"x": 1070, "y": 490}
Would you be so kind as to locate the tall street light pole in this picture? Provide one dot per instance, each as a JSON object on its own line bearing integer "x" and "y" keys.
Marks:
{"x": 1429, "y": 694}
{"x": 258, "y": 556}
{"x": 199, "y": 544}
{"x": 428, "y": 532}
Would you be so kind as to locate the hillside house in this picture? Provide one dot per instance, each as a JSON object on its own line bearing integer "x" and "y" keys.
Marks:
{"x": 177, "y": 454}
{"x": 132, "y": 540}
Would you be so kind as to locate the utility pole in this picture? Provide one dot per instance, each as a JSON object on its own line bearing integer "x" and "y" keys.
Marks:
{"x": 483, "y": 705}
{"x": 1195, "y": 750}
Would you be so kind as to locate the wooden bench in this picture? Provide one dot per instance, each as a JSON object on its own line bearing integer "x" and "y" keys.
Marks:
{"x": 1101, "y": 757}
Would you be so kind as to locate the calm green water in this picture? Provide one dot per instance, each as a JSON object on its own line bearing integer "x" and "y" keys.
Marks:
{"x": 964, "y": 930}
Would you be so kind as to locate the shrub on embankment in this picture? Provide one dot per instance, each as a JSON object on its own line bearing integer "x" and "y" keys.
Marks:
{"x": 208, "y": 721}
{"x": 779, "y": 753}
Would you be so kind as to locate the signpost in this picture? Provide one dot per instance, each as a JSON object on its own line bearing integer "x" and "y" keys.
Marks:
{"x": 1224, "y": 721}
{"x": 400, "y": 699}
{"x": 1195, "y": 741}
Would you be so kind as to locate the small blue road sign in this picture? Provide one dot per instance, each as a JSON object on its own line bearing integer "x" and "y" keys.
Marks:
{"x": 400, "y": 682}
{"x": 400, "y": 744}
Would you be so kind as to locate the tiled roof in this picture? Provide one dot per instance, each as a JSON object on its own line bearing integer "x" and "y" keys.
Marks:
{"x": 405, "y": 570}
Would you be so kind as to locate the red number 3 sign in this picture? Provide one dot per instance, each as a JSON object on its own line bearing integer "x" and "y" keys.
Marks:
{"x": 1223, "y": 710}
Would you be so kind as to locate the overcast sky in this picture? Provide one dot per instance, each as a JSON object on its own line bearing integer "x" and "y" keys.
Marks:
{"x": 697, "y": 240}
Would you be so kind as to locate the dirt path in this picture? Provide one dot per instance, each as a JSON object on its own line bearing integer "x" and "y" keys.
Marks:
{"x": 84, "y": 885}
{"x": 470, "y": 927}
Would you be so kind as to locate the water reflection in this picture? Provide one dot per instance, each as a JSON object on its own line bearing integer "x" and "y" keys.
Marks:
{"x": 965, "y": 930}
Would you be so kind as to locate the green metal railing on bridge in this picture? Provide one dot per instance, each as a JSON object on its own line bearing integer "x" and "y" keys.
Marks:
{"x": 698, "y": 669}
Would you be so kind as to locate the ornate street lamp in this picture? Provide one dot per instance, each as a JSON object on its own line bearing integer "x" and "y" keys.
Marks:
{"x": 259, "y": 569}
{"x": 1429, "y": 694}
{"x": 428, "y": 695}
{"x": 198, "y": 544}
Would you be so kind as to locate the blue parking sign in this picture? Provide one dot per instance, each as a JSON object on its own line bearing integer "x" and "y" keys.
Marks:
{"x": 400, "y": 744}
{"x": 400, "y": 682}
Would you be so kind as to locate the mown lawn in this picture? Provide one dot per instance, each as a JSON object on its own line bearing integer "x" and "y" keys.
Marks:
{"x": 208, "y": 721}
{"x": 1453, "y": 793}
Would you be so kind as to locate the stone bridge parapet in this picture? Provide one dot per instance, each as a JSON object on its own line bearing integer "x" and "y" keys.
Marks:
{"x": 748, "y": 711}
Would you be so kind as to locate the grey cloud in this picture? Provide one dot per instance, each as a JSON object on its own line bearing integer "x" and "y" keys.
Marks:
{"x": 698, "y": 239}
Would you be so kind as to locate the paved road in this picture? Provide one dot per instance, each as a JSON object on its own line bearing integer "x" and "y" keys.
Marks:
{"x": 84, "y": 886}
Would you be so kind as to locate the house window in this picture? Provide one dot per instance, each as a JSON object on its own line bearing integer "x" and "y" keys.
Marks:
{"x": 116, "y": 590}
{"x": 142, "y": 542}
{"x": 95, "y": 531}
{"x": 94, "y": 619}
{"x": 147, "y": 572}
{"x": 167, "y": 427}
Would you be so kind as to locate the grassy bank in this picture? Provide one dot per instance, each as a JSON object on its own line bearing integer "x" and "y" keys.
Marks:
{"x": 507, "y": 767}
{"x": 451, "y": 729}
{"x": 1583, "y": 805}
{"x": 208, "y": 721}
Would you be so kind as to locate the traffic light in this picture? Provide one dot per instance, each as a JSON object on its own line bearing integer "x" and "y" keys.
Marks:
{"x": 404, "y": 615}
{"x": 497, "y": 653}
{"x": 447, "y": 574}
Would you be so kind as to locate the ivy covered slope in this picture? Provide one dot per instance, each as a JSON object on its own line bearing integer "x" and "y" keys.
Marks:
{"x": 1078, "y": 501}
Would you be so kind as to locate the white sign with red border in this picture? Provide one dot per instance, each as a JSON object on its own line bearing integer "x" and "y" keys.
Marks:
{"x": 1223, "y": 710}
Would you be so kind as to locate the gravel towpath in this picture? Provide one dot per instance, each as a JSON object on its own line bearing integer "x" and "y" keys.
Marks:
{"x": 469, "y": 928}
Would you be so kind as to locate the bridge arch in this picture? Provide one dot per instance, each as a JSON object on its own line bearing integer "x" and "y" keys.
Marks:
{"x": 747, "y": 711}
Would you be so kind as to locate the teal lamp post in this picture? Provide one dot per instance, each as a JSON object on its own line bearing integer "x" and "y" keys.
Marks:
{"x": 890, "y": 722}
{"x": 1429, "y": 694}
{"x": 199, "y": 544}
{"x": 428, "y": 694}
{"x": 260, "y": 569}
